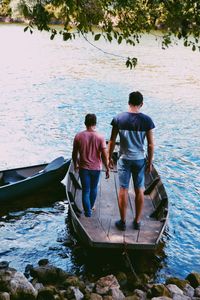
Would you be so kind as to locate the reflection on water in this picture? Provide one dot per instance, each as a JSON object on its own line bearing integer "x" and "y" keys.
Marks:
{"x": 46, "y": 89}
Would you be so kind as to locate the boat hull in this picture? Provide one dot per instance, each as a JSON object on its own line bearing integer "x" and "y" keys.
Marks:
{"x": 23, "y": 181}
{"x": 99, "y": 231}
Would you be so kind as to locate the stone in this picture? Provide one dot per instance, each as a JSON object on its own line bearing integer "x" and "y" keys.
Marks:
{"x": 194, "y": 279}
{"x": 188, "y": 290}
{"x": 4, "y": 296}
{"x": 178, "y": 282}
{"x": 174, "y": 289}
{"x": 43, "y": 262}
{"x": 161, "y": 298}
{"x": 4, "y": 264}
{"x": 132, "y": 297}
{"x": 197, "y": 292}
{"x": 48, "y": 274}
{"x": 104, "y": 284}
{"x": 95, "y": 296}
{"x": 122, "y": 279}
{"x": 158, "y": 290}
{"x": 116, "y": 294}
{"x": 77, "y": 293}
{"x": 47, "y": 293}
{"x": 16, "y": 284}
{"x": 180, "y": 297}
{"x": 107, "y": 297}
{"x": 140, "y": 294}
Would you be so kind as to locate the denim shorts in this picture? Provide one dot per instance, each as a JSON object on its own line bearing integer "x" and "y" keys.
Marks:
{"x": 136, "y": 168}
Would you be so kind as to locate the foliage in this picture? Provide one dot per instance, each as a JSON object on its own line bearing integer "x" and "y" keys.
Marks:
{"x": 5, "y": 9}
{"x": 120, "y": 20}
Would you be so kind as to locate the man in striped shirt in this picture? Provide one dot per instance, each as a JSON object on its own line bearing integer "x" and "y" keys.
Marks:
{"x": 133, "y": 127}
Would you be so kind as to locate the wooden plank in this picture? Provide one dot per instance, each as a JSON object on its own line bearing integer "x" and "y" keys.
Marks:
{"x": 149, "y": 232}
{"x": 94, "y": 229}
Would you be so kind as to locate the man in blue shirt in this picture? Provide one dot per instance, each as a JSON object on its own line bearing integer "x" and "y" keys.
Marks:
{"x": 133, "y": 127}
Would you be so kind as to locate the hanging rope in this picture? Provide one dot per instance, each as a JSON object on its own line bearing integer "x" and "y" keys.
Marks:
{"x": 128, "y": 260}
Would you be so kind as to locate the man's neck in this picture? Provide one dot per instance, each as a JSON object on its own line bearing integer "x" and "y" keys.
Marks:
{"x": 91, "y": 128}
{"x": 134, "y": 109}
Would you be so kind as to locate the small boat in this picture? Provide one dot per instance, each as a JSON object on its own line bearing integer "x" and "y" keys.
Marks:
{"x": 100, "y": 231}
{"x": 20, "y": 182}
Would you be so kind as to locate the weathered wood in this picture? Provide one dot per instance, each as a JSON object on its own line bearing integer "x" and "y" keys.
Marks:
{"x": 100, "y": 230}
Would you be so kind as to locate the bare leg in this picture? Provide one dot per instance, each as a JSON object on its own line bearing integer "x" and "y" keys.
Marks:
{"x": 139, "y": 203}
{"x": 122, "y": 201}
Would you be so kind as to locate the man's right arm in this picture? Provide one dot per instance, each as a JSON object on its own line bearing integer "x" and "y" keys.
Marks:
{"x": 111, "y": 145}
{"x": 150, "y": 149}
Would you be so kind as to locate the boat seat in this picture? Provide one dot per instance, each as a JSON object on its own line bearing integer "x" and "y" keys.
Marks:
{"x": 151, "y": 186}
{"x": 12, "y": 176}
{"x": 161, "y": 210}
{"x": 56, "y": 163}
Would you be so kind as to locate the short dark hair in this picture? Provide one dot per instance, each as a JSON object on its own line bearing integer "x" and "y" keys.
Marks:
{"x": 90, "y": 120}
{"x": 135, "y": 98}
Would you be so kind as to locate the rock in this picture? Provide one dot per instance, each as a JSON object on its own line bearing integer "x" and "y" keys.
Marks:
{"x": 48, "y": 274}
{"x": 158, "y": 290}
{"x": 4, "y": 296}
{"x": 194, "y": 279}
{"x": 116, "y": 294}
{"x": 90, "y": 287}
{"x": 4, "y": 264}
{"x": 95, "y": 296}
{"x": 16, "y": 284}
{"x": 74, "y": 281}
{"x": 104, "y": 284}
{"x": 46, "y": 293}
{"x": 180, "y": 297}
{"x": 107, "y": 297}
{"x": 140, "y": 294}
{"x": 188, "y": 290}
{"x": 178, "y": 282}
{"x": 132, "y": 297}
{"x": 122, "y": 279}
{"x": 77, "y": 293}
{"x": 161, "y": 298}
{"x": 174, "y": 290}
{"x": 43, "y": 262}
{"x": 197, "y": 292}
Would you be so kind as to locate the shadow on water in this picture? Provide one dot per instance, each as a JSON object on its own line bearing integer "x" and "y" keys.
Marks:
{"x": 101, "y": 262}
{"x": 40, "y": 198}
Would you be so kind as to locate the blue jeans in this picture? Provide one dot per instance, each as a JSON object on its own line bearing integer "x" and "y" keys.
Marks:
{"x": 89, "y": 181}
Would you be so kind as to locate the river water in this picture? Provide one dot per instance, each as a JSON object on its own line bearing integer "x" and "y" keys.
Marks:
{"x": 47, "y": 87}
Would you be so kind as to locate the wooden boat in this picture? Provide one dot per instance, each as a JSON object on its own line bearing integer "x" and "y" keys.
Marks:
{"x": 100, "y": 231}
{"x": 19, "y": 182}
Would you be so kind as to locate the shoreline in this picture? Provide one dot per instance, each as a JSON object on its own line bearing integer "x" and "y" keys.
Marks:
{"x": 47, "y": 282}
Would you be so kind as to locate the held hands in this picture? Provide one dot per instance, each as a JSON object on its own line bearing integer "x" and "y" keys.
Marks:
{"x": 111, "y": 163}
{"x": 107, "y": 173}
{"x": 149, "y": 167}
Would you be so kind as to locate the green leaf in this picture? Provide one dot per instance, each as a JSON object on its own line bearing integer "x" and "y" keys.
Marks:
{"x": 120, "y": 39}
{"x": 109, "y": 37}
{"x": 66, "y": 36}
{"x": 97, "y": 37}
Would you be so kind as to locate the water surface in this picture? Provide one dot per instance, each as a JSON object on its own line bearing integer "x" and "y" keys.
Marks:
{"x": 46, "y": 89}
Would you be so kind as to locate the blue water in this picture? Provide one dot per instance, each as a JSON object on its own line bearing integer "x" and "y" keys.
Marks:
{"x": 46, "y": 89}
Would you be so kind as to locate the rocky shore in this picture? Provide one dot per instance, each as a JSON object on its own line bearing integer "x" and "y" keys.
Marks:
{"x": 47, "y": 282}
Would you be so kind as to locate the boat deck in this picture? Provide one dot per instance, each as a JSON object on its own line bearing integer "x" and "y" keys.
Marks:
{"x": 100, "y": 230}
